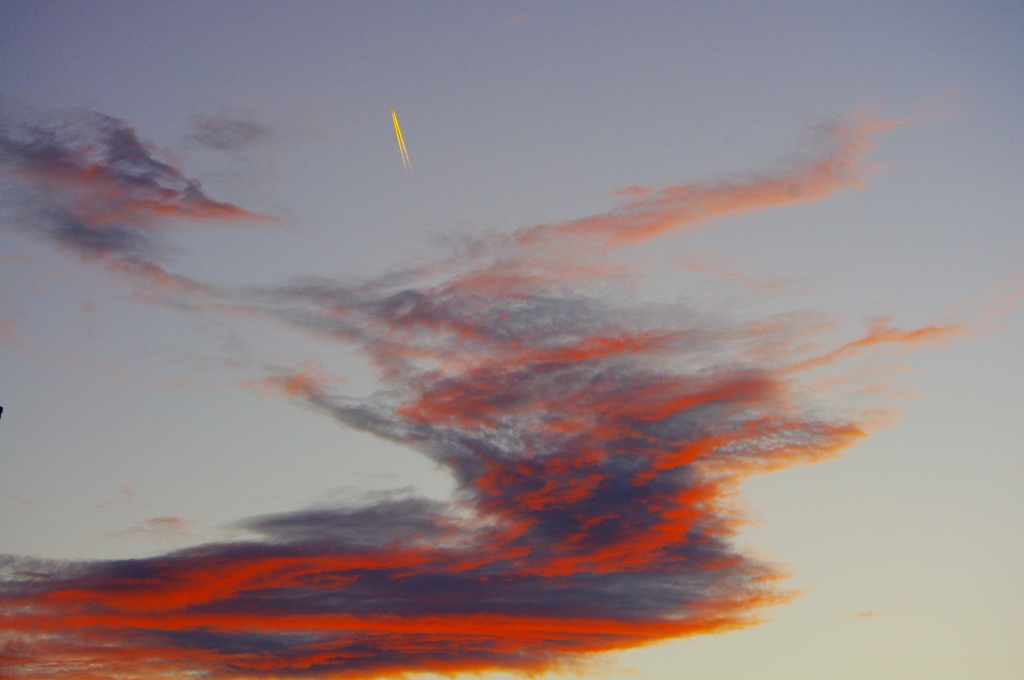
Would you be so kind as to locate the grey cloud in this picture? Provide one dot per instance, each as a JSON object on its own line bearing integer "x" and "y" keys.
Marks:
{"x": 227, "y": 134}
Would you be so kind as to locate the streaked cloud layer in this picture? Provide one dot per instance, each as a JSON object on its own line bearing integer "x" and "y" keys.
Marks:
{"x": 596, "y": 442}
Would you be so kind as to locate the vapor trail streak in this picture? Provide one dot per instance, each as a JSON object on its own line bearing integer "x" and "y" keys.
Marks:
{"x": 401, "y": 141}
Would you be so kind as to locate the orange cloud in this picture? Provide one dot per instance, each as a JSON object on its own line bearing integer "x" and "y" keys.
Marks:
{"x": 881, "y": 333}
{"x": 650, "y": 212}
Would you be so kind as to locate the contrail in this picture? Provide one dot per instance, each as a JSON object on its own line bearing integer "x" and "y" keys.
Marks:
{"x": 401, "y": 141}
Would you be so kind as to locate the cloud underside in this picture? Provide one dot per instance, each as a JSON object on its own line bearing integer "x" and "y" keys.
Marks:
{"x": 596, "y": 446}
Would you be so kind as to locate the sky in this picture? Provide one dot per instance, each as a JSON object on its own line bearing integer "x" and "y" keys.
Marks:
{"x": 686, "y": 343}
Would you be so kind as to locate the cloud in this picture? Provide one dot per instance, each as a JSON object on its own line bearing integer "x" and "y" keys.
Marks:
{"x": 10, "y": 335}
{"x": 165, "y": 529}
{"x": 835, "y": 162}
{"x": 128, "y": 495}
{"x": 514, "y": 20}
{"x": 878, "y": 612}
{"x": 882, "y": 334}
{"x": 596, "y": 443}
{"x": 85, "y": 182}
{"x": 221, "y": 133}
{"x": 869, "y": 614}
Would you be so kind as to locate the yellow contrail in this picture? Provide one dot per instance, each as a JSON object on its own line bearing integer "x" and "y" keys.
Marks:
{"x": 401, "y": 142}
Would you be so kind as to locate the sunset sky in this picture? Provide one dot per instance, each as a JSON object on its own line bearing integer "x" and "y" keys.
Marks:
{"x": 687, "y": 346}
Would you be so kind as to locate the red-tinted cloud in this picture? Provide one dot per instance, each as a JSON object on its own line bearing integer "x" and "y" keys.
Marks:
{"x": 837, "y": 163}
{"x": 596, "y": 447}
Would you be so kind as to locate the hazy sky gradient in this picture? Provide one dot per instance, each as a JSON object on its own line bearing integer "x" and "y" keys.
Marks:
{"x": 172, "y": 375}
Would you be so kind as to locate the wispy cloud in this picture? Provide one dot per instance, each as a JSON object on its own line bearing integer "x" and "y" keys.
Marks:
{"x": 164, "y": 529}
{"x": 128, "y": 496}
{"x": 224, "y": 133}
{"x": 10, "y": 335}
{"x": 878, "y": 612}
{"x": 85, "y": 182}
{"x": 596, "y": 444}
{"x": 834, "y": 161}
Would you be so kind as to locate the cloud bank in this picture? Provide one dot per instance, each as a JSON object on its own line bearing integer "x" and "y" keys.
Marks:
{"x": 596, "y": 443}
